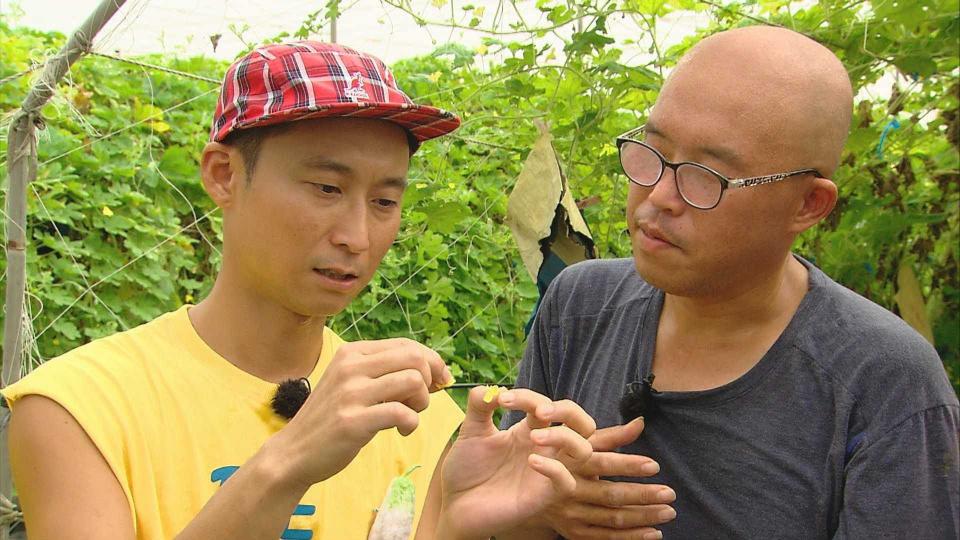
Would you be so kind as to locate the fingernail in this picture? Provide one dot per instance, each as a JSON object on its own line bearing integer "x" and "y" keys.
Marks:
{"x": 506, "y": 398}
{"x": 666, "y": 495}
{"x": 539, "y": 436}
{"x": 655, "y": 535}
{"x": 650, "y": 467}
{"x": 536, "y": 459}
{"x": 547, "y": 411}
{"x": 667, "y": 515}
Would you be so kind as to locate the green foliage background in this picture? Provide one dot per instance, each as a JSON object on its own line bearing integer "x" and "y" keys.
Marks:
{"x": 454, "y": 279}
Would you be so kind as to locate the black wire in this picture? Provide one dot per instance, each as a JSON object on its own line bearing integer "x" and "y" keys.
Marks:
{"x": 476, "y": 384}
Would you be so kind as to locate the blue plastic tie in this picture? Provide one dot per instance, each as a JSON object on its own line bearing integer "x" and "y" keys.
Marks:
{"x": 891, "y": 125}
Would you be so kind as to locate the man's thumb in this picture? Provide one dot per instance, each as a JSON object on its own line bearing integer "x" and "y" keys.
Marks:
{"x": 611, "y": 438}
{"x": 478, "y": 421}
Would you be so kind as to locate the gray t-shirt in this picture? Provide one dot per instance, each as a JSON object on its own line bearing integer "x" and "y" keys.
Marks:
{"x": 847, "y": 428}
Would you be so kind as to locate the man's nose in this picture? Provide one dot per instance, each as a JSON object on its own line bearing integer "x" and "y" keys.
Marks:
{"x": 665, "y": 195}
{"x": 351, "y": 229}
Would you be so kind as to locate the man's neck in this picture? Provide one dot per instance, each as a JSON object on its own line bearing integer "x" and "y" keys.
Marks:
{"x": 706, "y": 343}
{"x": 774, "y": 297}
{"x": 256, "y": 334}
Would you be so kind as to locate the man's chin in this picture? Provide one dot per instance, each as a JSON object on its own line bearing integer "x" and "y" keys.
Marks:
{"x": 673, "y": 281}
{"x": 325, "y": 307}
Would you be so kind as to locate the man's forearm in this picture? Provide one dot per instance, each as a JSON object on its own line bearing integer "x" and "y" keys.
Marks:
{"x": 255, "y": 503}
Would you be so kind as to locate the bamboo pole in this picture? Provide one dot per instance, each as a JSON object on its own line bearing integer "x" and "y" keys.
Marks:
{"x": 21, "y": 170}
{"x": 334, "y": 13}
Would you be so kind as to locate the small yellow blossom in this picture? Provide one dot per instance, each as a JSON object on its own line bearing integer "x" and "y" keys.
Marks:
{"x": 434, "y": 77}
{"x": 492, "y": 392}
{"x": 107, "y": 211}
{"x": 481, "y": 50}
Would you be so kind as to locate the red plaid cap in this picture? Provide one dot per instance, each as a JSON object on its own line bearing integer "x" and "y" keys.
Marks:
{"x": 308, "y": 79}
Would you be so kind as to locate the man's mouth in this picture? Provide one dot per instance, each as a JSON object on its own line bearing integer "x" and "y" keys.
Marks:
{"x": 336, "y": 275}
{"x": 655, "y": 234}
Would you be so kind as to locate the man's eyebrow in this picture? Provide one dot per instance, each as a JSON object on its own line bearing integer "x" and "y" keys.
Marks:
{"x": 721, "y": 153}
{"x": 326, "y": 164}
{"x": 394, "y": 182}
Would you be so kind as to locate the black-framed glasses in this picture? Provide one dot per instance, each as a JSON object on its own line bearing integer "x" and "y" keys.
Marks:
{"x": 700, "y": 186}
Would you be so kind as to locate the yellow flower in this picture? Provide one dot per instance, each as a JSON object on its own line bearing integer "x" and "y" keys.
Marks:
{"x": 492, "y": 392}
{"x": 107, "y": 211}
{"x": 434, "y": 77}
{"x": 481, "y": 50}
{"x": 478, "y": 12}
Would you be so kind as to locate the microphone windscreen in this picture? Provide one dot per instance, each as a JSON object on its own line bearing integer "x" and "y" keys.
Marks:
{"x": 290, "y": 396}
{"x": 638, "y": 400}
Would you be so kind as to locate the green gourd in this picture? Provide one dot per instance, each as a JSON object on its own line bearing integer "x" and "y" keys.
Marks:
{"x": 395, "y": 516}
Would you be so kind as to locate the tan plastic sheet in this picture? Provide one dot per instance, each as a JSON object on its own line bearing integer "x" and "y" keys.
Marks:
{"x": 909, "y": 299}
{"x": 542, "y": 212}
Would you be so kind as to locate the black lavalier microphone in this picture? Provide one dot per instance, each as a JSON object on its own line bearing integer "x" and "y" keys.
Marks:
{"x": 638, "y": 400}
{"x": 290, "y": 396}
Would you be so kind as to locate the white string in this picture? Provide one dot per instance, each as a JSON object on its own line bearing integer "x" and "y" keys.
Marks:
{"x": 76, "y": 263}
{"x": 131, "y": 126}
{"x": 122, "y": 268}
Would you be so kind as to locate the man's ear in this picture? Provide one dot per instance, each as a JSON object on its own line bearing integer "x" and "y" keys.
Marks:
{"x": 819, "y": 198}
{"x": 222, "y": 172}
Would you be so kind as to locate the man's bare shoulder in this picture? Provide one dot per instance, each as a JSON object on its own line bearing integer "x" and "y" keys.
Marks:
{"x": 65, "y": 486}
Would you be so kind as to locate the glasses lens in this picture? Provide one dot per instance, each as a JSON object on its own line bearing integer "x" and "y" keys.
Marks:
{"x": 698, "y": 186}
{"x": 641, "y": 164}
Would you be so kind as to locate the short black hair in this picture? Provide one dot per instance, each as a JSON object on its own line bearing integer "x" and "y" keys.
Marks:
{"x": 249, "y": 141}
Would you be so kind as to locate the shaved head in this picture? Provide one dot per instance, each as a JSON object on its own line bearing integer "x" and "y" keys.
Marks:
{"x": 749, "y": 102}
{"x": 787, "y": 94}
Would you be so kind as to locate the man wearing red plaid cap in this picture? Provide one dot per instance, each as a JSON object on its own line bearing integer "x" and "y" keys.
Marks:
{"x": 176, "y": 428}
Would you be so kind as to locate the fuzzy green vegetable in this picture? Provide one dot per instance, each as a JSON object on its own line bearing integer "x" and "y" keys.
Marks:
{"x": 395, "y": 515}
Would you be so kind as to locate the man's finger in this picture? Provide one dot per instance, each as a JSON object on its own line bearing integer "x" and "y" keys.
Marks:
{"x": 593, "y": 532}
{"x": 408, "y": 355}
{"x": 607, "y": 493}
{"x": 624, "y": 517}
{"x": 522, "y": 399}
{"x": 390, "y": 414}
{"x": 561, "y": 478}
{"x": 404, "y": 386}
{"x": 614, "y": 437}
{"x": 565, "y": 441}
{"x": 614, "y": 464}
{"x": 569, "y": 413}
{"x": 478, "y": 420}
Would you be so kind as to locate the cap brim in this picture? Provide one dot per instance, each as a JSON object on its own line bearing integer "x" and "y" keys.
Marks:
{"x": 422, "y": 121}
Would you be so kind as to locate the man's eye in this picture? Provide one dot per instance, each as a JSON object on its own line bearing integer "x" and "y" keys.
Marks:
{"x": 386, "y": 203}
{"x": 327, "y": 188}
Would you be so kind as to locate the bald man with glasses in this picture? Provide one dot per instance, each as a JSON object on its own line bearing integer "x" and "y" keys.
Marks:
{"x": 782, "y": 404}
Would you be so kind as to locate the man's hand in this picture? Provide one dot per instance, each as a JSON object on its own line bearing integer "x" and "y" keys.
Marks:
{"x": 494, "y": 481}
{"x": 602, "y": 509}
{"x": 369, "y": 386}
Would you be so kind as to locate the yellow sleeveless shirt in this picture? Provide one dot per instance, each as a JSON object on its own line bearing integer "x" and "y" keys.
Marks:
{"x": 174, "y": 420}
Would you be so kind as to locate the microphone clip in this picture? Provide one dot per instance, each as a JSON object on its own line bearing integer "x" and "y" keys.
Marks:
{"x": 638, "y": 399}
